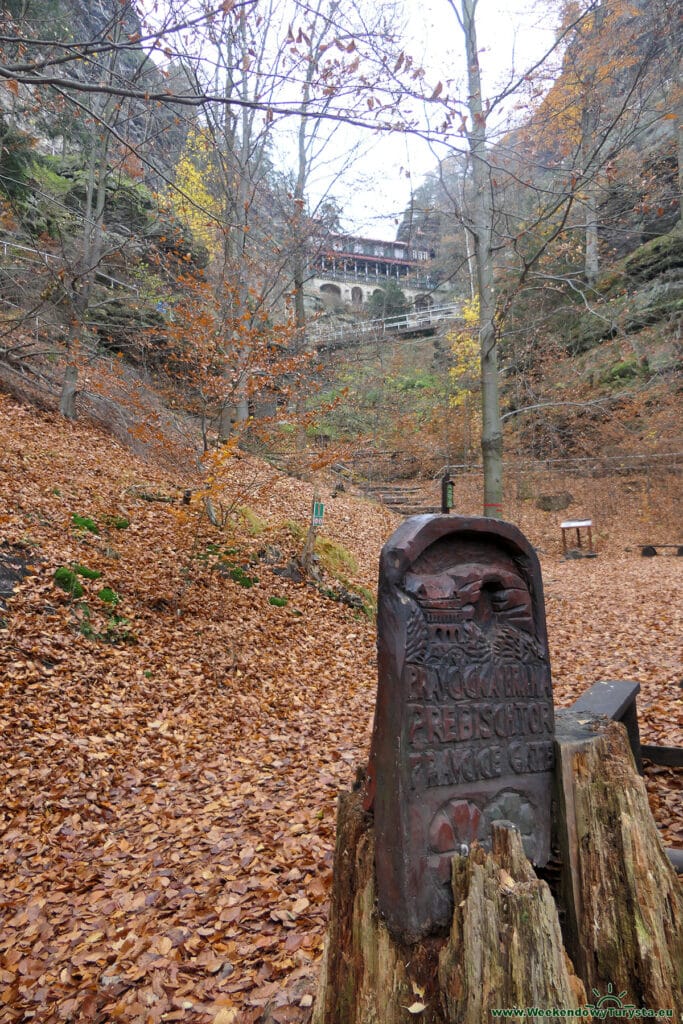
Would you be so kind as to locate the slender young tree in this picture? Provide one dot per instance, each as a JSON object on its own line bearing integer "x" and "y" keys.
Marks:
{"x": 481, "y": 228}
{"x": 520, "y": 197}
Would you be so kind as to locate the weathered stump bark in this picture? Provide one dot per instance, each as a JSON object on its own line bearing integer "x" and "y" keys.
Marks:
{"x": 622, "y": 898}
{"x": 617, "y": 893}
{"x": 504, "y": 948}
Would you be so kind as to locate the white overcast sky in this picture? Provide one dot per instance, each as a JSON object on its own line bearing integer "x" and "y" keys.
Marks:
{"x": 510, "y": 34}
{"x": 375, "y": 192}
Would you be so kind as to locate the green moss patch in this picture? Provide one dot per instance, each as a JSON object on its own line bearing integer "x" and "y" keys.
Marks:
{"x": 85, "y": 572}
{"x": 242, "y": 577}
{"x": 84, "y": 523}
{"x": 67, "y": 580}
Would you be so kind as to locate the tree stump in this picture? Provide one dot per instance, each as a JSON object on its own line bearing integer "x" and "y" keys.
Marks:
{"x": 621, "y": 896}
{"x": 67, "y": 399}
{"x": 614, "y": 890}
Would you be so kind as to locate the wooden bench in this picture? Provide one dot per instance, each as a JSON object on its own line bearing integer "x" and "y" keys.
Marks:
{"x": 578, "y": 525}
{"x": 670, "y": 757}
{"x": 650, "y": 550}
{"x": 616, "y": 700}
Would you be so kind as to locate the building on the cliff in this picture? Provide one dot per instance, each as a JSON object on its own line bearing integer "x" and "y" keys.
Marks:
{"x": 347, "y": 270}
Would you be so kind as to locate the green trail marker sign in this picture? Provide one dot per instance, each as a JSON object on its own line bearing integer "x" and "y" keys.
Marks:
{"x": 318, "y": 513}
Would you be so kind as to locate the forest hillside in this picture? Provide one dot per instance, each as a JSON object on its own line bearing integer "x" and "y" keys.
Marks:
{"x": 157, "y": 247}
{"x": 180, "y": 708}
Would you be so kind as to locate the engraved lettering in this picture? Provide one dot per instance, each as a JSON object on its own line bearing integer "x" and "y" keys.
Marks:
{"x": 530, "y": 757}
{"x": 454, "y": 682}
{"x": 449, "y": 721}
{"x": 416, "y": 722}
{"x": 415, "y": 677}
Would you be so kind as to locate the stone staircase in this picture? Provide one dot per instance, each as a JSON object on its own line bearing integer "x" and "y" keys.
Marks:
{"x": 404, "y": 498}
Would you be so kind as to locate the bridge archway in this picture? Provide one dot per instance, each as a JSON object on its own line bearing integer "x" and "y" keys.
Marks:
{"x": 331, "y": 294}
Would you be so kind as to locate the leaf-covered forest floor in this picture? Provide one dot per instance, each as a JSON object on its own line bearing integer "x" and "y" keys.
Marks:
{"x": 173, "y": 741}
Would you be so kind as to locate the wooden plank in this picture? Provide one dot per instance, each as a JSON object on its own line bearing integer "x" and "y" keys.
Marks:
{"x": 672, "y": 757}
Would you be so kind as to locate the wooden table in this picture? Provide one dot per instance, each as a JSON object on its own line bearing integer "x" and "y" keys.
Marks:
{"x": 578, "y": 525}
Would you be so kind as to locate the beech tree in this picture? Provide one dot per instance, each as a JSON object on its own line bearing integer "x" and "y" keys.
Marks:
{"x": 211, "y": 345}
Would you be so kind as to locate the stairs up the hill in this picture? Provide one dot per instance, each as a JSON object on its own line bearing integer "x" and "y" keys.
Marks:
{"x": 405, "y": 499}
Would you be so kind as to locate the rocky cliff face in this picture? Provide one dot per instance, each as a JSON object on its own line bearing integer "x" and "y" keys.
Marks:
{"x": 40, "y": 112}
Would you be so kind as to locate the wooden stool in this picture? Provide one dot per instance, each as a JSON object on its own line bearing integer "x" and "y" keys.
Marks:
{"x": 578, "y": 525}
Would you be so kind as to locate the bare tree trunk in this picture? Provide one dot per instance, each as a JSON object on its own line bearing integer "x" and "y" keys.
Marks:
{"x": 679, "y": 153}
{"x": 92, "y": 243}
{"x": 590, "y": 119}
{"x": 299, "y": 210}
{"x": 589, "y": 122}
{"x": 243, "y": 209}
{"x": 243, "y": 149}
{"x": 592, "y": 259}
{"x": 482, "y": 229}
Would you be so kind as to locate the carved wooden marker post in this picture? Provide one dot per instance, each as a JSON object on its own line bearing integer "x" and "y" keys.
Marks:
{"x": 463, "y": 732}
{"x": 436, "y": 911}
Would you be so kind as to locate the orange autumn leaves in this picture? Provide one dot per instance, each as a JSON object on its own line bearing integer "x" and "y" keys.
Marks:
{"x": 168, "y": 804}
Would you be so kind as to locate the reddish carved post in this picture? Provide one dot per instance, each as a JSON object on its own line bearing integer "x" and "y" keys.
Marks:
{"x": 463, "y": 732}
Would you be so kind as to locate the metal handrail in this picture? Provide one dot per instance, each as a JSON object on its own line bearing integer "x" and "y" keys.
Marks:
{"x": 406, "y": 322}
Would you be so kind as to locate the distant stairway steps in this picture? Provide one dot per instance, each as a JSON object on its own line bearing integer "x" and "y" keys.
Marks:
{"x": 418, "y": 510}
{"x": 404, "y": 499}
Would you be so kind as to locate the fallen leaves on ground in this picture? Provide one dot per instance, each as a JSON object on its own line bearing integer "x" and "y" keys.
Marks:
{"x": 169, "y": 786}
